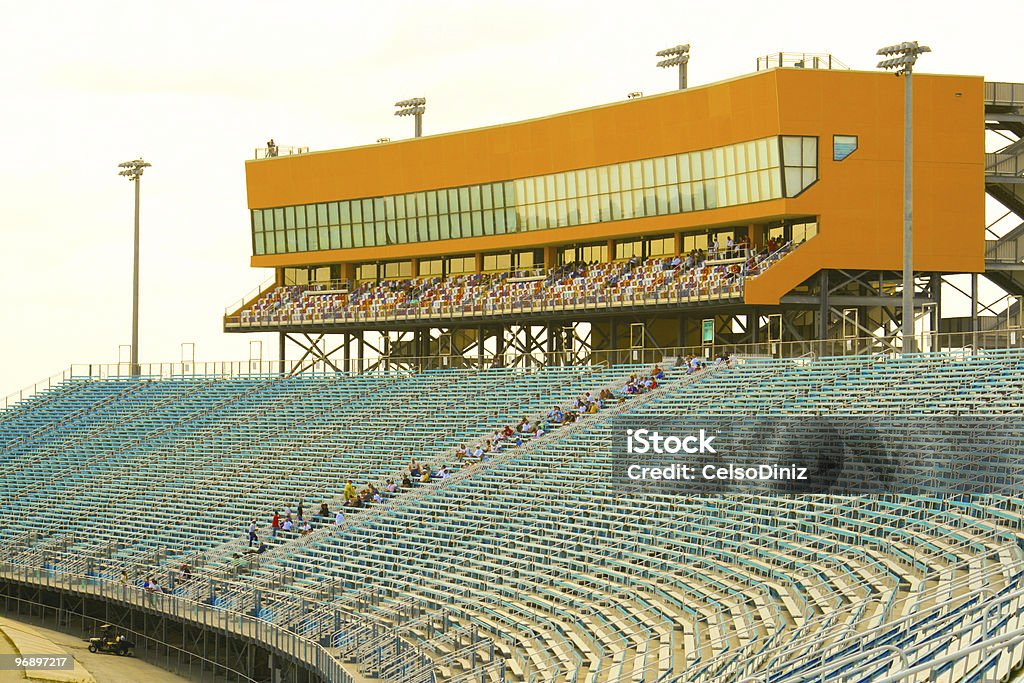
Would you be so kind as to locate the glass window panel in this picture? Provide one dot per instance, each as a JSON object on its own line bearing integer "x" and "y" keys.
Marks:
{"x": 474, "y": 198}
{"x": 520, "y": 192}
{"x": 626, "y": 198}
{"x": 425, "y": 229}
{"x": 512, "y": 223}
{"x": 625, "y": 176}
{"x": 333, "y": 215}
{"x": 477, "y": 217}
{"x": 594, "y": 208}
{"x": 498, "y": 195}
{"x": 270, "y": 245}
{"x": 696, "y": 166}
{"x": 697, "y": 192}
{"x": 683, "y": 167}
{"x": 717, "y": 162}
{"x": 793, "y": 180}
{"x": 581, "y": 183}
{"x": 674, "y": 205}
{"x": 259, "y": 247}
{"x": 562, "y": 212}
{"x": 542, "y": 215}
{"x": 290, "y": 240}
{"x": 749, "y": 156}
{"x": 583, "y": 210}
{"x": 421, "y": 205}
{"x": 488, "y": 218}
{"x": 485, "y": 197}
{"x": 266, "y": 218}
{"x": 357, "y": 212}
{"x": 661, "y": 196}
{"x": 810, "y": 157}
{"x": 732, "y": 191}
{"x": 380, "y": 233}
{"x": 602, "y": 179}
{"x": 647, "y": 167}
{"x": 638, "y": 204}
{"x": 615, "y": 200}
{"x": 560, "y": 186}
{"x": 549, "y": 188}
{"x": 636, "y": 174}
{"x": 442, "y": 202}
{"x": 761, "y": 147}
{"x": 721, "y": 167}
{"x": 721, "y": 192}
{"x": 729, "y": 154}
{"x": 570, "y": 185}
{"x": 752, "y": 187}
{"x": 499, "y": 222}
{"x": 843, "y": 146}
{"x": 378, "y": 209}
{"x": 279, "y": 219}
{"x": 591, "y": 182}
{"x": 791, "y": 150}
{"x": 456, "y": 225}
{"x": 448, "y": 202}
{"x": 650, "y": 205}
{"x": 432, "y": 203}
{"x": 410, "y": 206}
{"x": 300, "y": 240}
{"x": 773, "y": 152}
{"x": 321, "y": 214}
{"x": 685, "y": 196}
{"x": 300, "y": 216}
{"x": 810, "y": 175}
{"x": 710, "y": 170}
{"x": 660, "y": 176}
{"x": 467, "y": 224}
{"x": 671, "y": 171}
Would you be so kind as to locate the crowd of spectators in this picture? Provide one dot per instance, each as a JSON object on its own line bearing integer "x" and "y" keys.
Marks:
{"x": 696, "y": 274}
{"x": 417, "y": 473}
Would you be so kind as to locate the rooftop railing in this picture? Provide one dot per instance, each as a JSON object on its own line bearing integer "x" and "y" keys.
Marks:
{"x": 798, "y": 60}
{"x": 278, "y": 151}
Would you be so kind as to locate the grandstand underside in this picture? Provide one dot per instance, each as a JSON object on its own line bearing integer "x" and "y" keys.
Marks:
{"x": 535, "y": 565}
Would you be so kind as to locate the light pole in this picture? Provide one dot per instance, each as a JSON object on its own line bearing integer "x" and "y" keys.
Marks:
{"x": 677, "y": 56}
{"x": 901, "y": 59}
{"x": 133, "y": 171}
{"x": 414, "y": 107}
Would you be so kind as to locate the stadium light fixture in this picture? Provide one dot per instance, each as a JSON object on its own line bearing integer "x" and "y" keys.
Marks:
{"x": 900, "y": 59}
{"x": 413, "y": 107}
{"x": 677, "y": 56}
{"x": 132, "y": 170}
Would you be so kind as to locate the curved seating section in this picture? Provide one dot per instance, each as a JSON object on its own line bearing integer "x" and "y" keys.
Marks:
{"x": 534, "y": 565}
{"x": 234, "y": 450}
{"x": 600, "y": 284}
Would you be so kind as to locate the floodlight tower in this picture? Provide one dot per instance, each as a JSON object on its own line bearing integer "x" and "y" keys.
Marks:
{"x": 677, "y": 56}
{"x": 901, "y": 59}
{"x": 132, "y": 170}
{"x": 414, "y": 107}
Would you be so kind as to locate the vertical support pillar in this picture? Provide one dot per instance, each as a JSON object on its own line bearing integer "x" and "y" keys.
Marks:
{"x": 823, "y": 306}
{"x": 974, "y": 311}
{"x": 281, "y": 340}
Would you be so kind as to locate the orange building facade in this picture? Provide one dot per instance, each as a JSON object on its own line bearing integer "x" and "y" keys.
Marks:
{"x": 857, "y": 201}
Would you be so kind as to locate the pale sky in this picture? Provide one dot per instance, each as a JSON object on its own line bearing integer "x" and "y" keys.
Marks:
{"x": 194, "y": 87}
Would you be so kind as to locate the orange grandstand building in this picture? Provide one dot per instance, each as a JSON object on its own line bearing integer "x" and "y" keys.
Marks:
{"x": 767, "y": 207}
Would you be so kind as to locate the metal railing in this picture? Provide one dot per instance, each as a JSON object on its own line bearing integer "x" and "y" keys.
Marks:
{"x": 278, "y": 151}
{"x": 305, "y": 650}
{"x": 1004, "y": 94}
{"x": 799, "y": 60}
{"x": 1005, "y": 251}
{"x": 1000, "y": 164}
